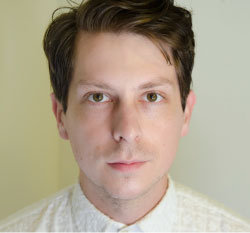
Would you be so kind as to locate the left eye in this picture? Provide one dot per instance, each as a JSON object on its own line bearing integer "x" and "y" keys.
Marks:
{"x": 153, "y": 97}
{"x": 97, "y": 97}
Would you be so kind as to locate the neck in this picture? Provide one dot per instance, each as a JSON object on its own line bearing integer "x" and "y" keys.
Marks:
{"x": 124, "y": 211}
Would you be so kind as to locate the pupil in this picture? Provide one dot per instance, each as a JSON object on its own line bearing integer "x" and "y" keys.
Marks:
{"x": 152, "y": 97}
{"x": 98, "y": 97}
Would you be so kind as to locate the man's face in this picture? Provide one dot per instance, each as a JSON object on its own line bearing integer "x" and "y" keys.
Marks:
{"x": 124, "y": 117}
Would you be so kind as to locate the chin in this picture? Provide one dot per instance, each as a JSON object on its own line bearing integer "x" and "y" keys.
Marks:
{"x": 126, "y": 191}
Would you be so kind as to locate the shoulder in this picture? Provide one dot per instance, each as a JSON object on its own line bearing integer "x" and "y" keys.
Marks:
{"x": 44, "y": 215}
{"x": 202, "y": 213}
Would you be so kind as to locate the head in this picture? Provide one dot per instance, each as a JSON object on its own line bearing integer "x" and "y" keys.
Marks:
{"x": 159, "y": 20}
{"x": 121, "y": 75}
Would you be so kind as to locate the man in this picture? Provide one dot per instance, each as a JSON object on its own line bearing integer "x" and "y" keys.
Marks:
{"x": 121, "y": 75}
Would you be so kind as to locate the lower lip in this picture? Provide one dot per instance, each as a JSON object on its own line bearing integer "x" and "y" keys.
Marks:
{"x": 124, "y": 167}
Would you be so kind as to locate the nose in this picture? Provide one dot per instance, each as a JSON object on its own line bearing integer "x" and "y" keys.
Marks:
{"x": 125, "y": 123}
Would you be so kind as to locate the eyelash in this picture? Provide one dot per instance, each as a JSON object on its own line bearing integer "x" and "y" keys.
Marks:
{"x": 90, "y": 94}
{"x": 151, "y": 92}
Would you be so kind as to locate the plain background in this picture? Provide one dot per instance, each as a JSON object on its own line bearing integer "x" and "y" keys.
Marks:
{"x": 213, "y": 159}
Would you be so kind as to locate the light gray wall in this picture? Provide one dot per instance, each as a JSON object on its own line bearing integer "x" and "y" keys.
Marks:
{"x": 215, "y": 157}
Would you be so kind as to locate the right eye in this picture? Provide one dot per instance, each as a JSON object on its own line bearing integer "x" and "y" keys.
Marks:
{"x": 97, "y": 97}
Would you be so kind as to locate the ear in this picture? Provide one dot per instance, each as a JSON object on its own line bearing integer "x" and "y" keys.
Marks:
{"x": 59, "y": 115}
{"x": 191, "y": 100}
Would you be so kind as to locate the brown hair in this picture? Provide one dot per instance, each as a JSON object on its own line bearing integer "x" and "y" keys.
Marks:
{"x": 159, "y": 20}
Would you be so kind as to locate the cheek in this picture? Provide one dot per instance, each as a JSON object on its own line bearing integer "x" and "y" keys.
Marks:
{"x": 166, "y": 133}
{"x": 86, "y": 132}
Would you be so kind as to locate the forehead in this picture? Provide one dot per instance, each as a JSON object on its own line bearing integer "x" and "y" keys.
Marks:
{"x": 126, "y": 57}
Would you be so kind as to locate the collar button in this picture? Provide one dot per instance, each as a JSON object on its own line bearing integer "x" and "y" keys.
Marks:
{"x": 123, "y": 230}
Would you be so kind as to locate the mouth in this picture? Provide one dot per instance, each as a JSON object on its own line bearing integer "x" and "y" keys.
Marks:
{"x": 126, "y": 166}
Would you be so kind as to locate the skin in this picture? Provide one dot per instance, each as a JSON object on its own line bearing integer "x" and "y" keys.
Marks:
{"x": 139, "y": 118}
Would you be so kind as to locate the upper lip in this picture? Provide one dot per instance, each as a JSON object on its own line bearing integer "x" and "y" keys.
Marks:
{"x": 128, "y": 161}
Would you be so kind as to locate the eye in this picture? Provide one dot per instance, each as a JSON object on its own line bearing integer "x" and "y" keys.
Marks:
{"x": 97, "y": 97}
{"x": 153, "y": 97}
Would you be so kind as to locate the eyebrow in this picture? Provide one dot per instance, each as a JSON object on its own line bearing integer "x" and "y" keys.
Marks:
{"x": 146, "y": 85}
{"x": 159, "y": 82}
{"x": 95, "y": 84}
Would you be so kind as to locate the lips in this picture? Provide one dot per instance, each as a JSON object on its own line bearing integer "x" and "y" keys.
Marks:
{"x": 126, "y": 166}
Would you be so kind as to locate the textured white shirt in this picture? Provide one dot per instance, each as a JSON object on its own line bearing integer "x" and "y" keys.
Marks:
{"x": 181, "y": 209}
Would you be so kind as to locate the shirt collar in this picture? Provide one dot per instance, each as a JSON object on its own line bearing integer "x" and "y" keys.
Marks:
{"x": 163, "y": 216}
{"x": 87, "y": 218}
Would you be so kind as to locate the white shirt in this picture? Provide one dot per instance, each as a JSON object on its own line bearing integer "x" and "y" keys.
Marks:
{"x": 181, "y": 209}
